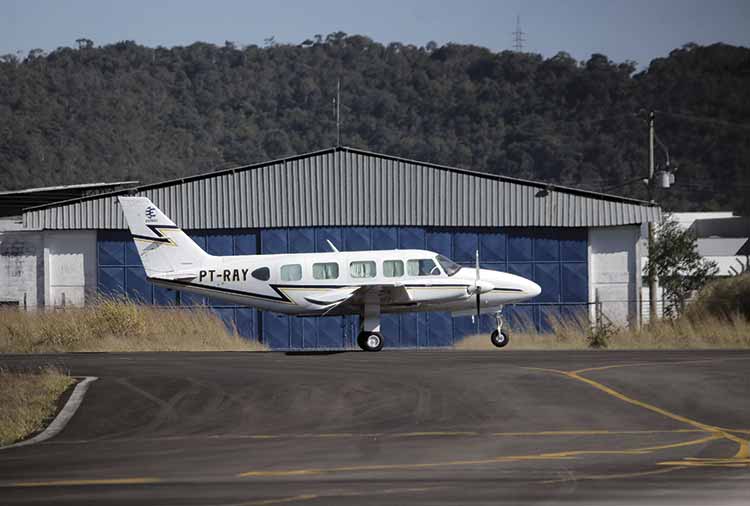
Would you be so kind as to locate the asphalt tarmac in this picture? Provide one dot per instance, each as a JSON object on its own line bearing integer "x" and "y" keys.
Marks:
{"x": 402, "y": 427}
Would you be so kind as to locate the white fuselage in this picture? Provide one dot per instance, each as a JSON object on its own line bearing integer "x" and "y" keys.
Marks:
{"x": 305, "y": 283}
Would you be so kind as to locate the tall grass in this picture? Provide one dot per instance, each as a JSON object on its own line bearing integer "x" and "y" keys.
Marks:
{"x": 718, "y": 317}
{"x": 28, "y": 400}
{"x": 727, "y": 298}
{"x": 117, "y": 325}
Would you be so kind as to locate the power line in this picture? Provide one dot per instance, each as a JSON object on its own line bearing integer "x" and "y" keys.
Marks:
{"x": 705, "y": 119}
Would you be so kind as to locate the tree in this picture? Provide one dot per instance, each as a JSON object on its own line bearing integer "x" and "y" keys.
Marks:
{"x": 120, "y": 110}
{"x": 84, "y": 43}
{"x": 674, "y": 259}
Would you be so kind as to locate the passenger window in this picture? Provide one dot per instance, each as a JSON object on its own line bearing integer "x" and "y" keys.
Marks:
{"x": 262, "y": 274}
{"x": 329, "y": 270}
{"x": 363, "y": 269}
{"x": 422, "y": 267}
{"x": 291, "y": 272}
{"x": 393, "y": 268}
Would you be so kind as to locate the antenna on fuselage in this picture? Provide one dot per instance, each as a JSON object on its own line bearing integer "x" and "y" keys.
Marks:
{"x": 333, "y": 248}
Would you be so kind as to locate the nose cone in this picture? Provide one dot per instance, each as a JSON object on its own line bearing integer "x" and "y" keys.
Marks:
{"x": 528, "y": 289}
{"x": 532, "y": 289}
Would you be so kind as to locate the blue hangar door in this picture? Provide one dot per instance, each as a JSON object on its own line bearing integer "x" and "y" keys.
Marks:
{"x": 120, "y": 273}
{"x": 556, "y": 258}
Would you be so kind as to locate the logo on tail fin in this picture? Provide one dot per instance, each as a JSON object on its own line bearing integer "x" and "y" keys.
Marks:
{"x": 151, "y": 213}
{"x": 159, "y": 236}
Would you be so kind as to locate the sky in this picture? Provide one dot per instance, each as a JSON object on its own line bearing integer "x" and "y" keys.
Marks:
{"x": 637, "y": 30}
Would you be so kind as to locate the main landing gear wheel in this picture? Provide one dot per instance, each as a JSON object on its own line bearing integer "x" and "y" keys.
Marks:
{"x": 499, "y": 338}
{"x": 370, "y": 341}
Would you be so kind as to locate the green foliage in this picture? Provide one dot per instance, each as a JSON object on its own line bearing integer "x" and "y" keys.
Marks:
{"x": 676, "y": 263}
{"x": 125, "y": 111}
{"x": 727, "y": 298}
{"x": 598, "y": 335}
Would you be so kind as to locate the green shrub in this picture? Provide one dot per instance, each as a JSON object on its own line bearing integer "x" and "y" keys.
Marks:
{"x": 723, "y": 298}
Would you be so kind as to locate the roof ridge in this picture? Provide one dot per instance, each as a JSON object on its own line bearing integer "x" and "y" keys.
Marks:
{"x": 337, "y": 149}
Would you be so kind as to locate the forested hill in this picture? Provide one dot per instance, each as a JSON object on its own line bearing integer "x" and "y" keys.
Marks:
{"x": 125, "y": 111}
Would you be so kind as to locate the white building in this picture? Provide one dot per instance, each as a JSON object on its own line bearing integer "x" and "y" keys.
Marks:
{"x": 722, "y": 237}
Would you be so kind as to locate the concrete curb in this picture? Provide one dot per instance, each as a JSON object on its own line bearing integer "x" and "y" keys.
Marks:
{"x": 62, "y": 418}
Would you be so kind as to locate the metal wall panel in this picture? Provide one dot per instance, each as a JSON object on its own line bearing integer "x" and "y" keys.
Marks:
{"x": 349, "y": 187}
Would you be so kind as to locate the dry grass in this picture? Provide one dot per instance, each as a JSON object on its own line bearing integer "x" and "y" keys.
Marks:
{"x": 118, "y": 326}
{"x": 682, "y": 333}
{"x": 28, "y": 400}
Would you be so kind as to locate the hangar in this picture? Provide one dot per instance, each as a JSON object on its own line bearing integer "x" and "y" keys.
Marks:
{"x": 579, "y": 246}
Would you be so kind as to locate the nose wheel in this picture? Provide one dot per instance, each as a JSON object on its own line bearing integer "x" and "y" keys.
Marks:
{"x": 499, "y": 337}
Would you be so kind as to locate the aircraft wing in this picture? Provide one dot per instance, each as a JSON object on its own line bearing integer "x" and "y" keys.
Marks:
{"x": 383, "y": 294}
{"x": 177, "y": 276}
{"x": 330, "y": 297}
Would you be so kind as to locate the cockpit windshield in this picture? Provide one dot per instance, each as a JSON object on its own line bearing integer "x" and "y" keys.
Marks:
{"x": 449, "y": 266}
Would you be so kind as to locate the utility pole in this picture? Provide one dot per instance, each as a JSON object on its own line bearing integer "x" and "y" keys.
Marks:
{"x": 651, "y": 225}
{"x": 338, "y": 113}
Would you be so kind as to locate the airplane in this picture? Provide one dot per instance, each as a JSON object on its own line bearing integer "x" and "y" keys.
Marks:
{"x": 364, "y": 283}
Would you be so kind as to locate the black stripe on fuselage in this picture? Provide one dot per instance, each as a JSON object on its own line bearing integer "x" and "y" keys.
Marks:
{"x": 281, "y": 296}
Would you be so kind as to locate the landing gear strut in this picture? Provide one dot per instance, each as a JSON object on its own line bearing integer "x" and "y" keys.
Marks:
{"x": 499, "y": 337}
{"x": 370, "y": 338}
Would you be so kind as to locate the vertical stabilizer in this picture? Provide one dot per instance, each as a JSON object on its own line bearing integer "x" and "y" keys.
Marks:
{"x": 165, "y": 250}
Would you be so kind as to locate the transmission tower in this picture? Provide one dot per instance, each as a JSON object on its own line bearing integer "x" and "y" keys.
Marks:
{"x": 519, "y": 37}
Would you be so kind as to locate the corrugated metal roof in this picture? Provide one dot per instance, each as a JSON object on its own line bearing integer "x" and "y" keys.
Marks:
{"x": 13, "y": 202}
{"x": 351, "y": 187}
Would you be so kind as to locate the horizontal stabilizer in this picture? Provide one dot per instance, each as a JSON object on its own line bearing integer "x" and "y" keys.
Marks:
{"x": 178, "y": 276}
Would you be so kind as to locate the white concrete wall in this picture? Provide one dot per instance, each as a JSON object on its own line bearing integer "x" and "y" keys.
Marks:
{"x": 70, "y": 265}
{"x": 49, "y": 268}
{"x": 615, "y": 272}
{"x": 22, "y": 267}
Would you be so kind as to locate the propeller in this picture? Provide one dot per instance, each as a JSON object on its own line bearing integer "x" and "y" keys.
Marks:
{"x": 477, "y": 289}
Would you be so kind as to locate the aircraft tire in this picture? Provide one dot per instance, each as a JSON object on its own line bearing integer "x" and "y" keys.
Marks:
{"x": 365, "y": 341}
{"x": 499, "y": 339}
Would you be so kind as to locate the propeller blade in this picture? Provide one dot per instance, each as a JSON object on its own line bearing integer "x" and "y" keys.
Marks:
{"x": 479, "y": 295}
{"x": 477, "y": 278}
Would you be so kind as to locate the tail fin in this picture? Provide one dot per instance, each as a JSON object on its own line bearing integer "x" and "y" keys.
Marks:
{"x": 165, "y": 250}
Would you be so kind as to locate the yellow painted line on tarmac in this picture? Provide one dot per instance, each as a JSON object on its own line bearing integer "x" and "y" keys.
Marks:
{"x": 564, "y": 455}
{"x": 743, "y": 450}
{"x": 644, "y": 364}
{"x": 638, "y": 451}
{"x": 73, "y": 483}
{"x": 344, "y": 435}
{"x": 281, "y": 500}
{"x": 433, "y": 434}
{"x": 399, "y": 467}
{"x": 735, "y": 463}
{"x": 601, "y": 432}
{"x": 333, "y": 494}
{"x": 708, "y": 462}
{"x": 613, "y": 366}
{"x": 611, "y": 476}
